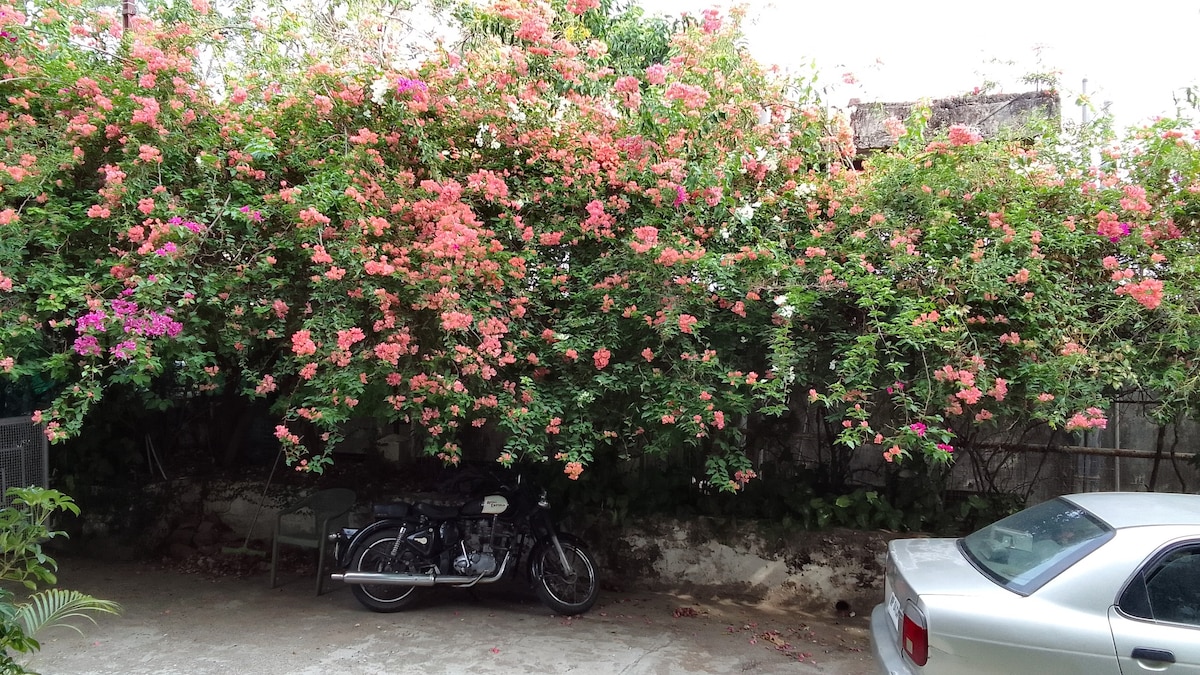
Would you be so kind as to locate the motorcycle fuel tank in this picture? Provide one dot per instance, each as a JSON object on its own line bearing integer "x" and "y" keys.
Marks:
{"x": 488, "y": 506}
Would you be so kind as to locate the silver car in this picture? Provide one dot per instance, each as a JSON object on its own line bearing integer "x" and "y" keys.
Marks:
{"x": 1093, "y": 584}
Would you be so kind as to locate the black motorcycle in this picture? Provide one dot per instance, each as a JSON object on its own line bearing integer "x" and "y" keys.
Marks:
{"x": 410, "y": 547}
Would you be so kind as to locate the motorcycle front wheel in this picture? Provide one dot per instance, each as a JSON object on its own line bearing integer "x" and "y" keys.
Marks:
{"x": 375, "y": 555}
{"x": 567, "y": 591}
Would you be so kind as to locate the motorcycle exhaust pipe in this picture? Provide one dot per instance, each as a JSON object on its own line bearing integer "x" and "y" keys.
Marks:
{"x": 384, "y": 579}
{"x": 424, "y": 580}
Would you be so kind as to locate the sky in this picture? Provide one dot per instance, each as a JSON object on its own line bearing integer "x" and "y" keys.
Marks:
{"x": 1133, "y": 54}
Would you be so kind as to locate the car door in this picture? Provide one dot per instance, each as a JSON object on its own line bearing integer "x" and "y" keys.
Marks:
{"x": 1156, "y": 621}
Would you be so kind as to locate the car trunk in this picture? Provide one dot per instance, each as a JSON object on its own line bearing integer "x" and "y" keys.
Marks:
{"x": 921, "y": 568}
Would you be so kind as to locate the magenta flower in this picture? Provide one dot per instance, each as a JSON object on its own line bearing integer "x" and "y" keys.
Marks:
{"x": 918, "y": 429}
{"x": 404, "y": 84}
{"x": 124, "y": 307}
{"x": 91, "y": 321}
{"x": 124, "y": 350}
{"x": 680, "y": 196}
{"x": 87, "y": 345}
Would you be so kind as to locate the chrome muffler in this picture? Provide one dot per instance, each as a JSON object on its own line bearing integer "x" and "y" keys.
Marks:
{"x": 385, "y": 579}
{"x": 424, "y": 580}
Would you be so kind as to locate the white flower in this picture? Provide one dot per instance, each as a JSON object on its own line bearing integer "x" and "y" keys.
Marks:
{"x": 563, "y": 105}
{"x": 379, "y": 88}
{"x": 767, "y": 158}
{"x": 518, "y": 115}
{"x": 725, "y": 233}
{"x": 805, "y": 189}
{"x": 788, "y": 377}
{"x": 745, "y": 213}
{"x": 780, "y": 300}
{"x": 786, "y": 311}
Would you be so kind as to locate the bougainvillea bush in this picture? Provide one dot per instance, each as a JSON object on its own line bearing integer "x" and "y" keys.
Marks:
{"x": 589, "y": 249}
{"x": 518, "y": 235}
{"x": 983, "y": 286}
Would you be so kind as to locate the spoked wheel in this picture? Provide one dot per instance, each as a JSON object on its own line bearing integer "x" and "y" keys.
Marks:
{"x": 568, "y": 591}
{"x": 375, "y": 555}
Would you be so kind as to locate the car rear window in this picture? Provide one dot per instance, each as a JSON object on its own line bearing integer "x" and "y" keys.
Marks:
{"x": 1025, "y": 550}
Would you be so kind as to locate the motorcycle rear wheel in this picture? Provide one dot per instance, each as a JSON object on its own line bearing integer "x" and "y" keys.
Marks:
{"x": 375, "y": 555}
{"x": 567, "y": 592}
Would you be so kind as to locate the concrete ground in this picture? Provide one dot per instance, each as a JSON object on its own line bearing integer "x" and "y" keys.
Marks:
{"x": 177, "y": 623}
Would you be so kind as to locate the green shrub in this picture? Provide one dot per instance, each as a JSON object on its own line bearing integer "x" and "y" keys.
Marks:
{"x": 23, "y": 530}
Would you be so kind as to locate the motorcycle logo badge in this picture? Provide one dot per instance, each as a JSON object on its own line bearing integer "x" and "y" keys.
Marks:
{"x": 494, "y": 504}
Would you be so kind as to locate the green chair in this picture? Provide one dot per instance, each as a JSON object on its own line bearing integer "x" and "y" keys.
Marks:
{"x": 330, "y": 509}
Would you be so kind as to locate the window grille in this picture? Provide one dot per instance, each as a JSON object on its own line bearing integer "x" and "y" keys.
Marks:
{"x": 24, "y": 459}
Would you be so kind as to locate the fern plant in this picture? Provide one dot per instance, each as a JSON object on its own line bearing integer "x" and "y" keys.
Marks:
{"x": 23, "y": 529}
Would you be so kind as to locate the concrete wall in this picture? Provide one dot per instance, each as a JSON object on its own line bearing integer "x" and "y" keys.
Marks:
{"x": 821, "y": 571}
{"x": 811, "y": 571}
{"x": 990, "y": 115}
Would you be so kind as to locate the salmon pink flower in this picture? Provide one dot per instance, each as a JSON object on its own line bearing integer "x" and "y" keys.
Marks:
{"x": 302, "y": 343}
{"x": 686, "y": 321}
{"x": 266, "y": 386}
{"x": 961, "y": 136}
{"x": 656, "y": 74}
{"x": 601, "y": 357}
{"x": 578, "y": 7}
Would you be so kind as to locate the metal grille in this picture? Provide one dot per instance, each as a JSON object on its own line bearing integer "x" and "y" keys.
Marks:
{"x": 23, "y": 455}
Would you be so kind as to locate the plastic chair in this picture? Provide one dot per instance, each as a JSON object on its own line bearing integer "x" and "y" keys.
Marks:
{"x": 330, "y": 510}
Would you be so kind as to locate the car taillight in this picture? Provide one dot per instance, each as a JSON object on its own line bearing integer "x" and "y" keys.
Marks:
{"x": 914, "y": 634}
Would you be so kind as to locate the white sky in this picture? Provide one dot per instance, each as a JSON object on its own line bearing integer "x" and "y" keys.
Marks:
{"x": 1133, "y": 53}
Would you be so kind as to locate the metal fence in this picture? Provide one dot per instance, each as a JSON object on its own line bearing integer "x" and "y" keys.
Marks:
{"x": 1133, "y": 453}
{"x": 24, "y": 459}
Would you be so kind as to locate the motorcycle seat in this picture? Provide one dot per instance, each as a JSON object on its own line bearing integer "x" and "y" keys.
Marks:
{"x": 436, "y": 512}
{"x": 395, "y": 510}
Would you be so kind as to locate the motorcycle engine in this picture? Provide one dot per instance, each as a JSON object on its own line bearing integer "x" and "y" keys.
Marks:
{"x": 475, "y": 563}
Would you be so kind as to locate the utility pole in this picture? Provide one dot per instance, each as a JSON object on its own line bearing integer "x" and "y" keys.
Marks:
{"x": 128, "y": 11}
